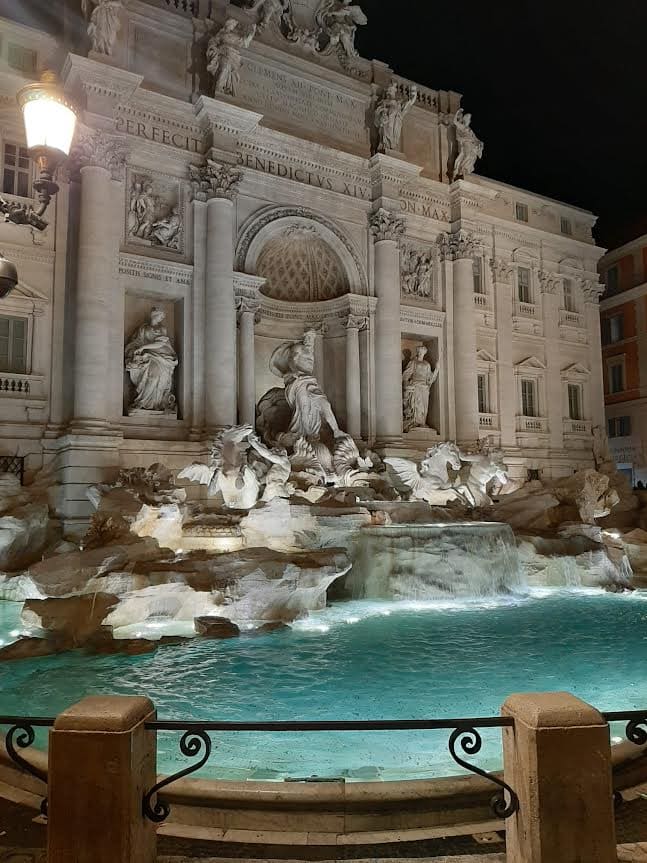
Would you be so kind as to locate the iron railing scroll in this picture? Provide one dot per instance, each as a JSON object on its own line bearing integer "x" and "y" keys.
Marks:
{"x": 21, "y": 735}
{"x": 635, "y": 732}
{"x": 196, "y": 743}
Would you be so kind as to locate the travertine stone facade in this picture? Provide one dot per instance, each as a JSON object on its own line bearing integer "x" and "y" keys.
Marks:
{"x": 246, "y": 219}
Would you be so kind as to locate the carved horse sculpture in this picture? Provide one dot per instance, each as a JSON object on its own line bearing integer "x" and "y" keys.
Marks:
{"x": 431, "y": 482}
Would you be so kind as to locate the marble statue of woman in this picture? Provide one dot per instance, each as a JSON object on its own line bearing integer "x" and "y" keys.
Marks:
{"x": 389, "y": 116}
{"x": 151, "y": 362}
{"x": 294, "y": 362}
{"x": 417, "y": 380}
{"x": 469, "y": 148}
{"x": 269, "y": 11}
{"x": 223, "y": 55}
{"x": 104, "y": 23}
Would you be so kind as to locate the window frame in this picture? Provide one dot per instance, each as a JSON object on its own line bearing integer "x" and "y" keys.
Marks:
{"x": 24, "y": 170}
{"x": 478, "y": 274}
{"x": 619, "y": 426}
{"x": 530, "y": 384}
{"x": 10, "y": 364}
{"x": 612, "y": 289}
{"x": 612, "y": 364}
{"x": 483, "y": 392}
{"x": 568, "y": 296}
{"x": 520, "y": 285}
{"x": 576, "y": 406}
{"x": 521, "y": 212}
{"x": 565, "y": 226}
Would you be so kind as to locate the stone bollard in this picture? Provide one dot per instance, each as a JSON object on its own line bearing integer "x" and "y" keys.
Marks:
{"x": 101, "y": 762}
{"x": 558, "y": 760}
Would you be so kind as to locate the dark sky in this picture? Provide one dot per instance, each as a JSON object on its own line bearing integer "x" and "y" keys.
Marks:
{"x": 558, "y": 91}
{"x": 557, "y": 88}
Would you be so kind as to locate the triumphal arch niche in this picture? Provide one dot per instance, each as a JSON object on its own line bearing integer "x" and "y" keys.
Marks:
{"x": 307, "y": 275}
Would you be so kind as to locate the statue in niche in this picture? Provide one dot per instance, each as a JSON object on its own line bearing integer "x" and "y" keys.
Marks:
{"x": 104, "y": 23}
{"x": 417, "y": 272}
{"x": 389, "y": 117}
{"x": 151, "y": 362}
{"x": 468, "y": 147}
{"x": 338, "y": 21}
{"x": 417, "y": 380}
{"x": 294, "y": 362}
{"x": 223, "y": 55}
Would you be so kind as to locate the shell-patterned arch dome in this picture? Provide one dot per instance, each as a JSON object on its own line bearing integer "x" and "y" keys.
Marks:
{"x": 301, "y": 267}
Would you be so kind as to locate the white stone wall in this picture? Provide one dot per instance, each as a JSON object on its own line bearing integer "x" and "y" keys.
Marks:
{"x": 291, "y": 173}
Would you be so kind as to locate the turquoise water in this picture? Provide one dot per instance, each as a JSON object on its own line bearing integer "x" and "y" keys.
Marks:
{"x": 363, "y": 660}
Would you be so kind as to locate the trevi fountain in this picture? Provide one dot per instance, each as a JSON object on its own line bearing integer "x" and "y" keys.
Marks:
{"x": 307, "y": 427}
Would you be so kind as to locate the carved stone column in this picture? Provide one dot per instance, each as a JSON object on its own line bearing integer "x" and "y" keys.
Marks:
{"x": 247, "y": 319}
{"x": 218, "y": 184}
{"x": 353, "y": 376}
{"x": 387, "y": 229}
{"x": 460, "y": 248}
{"x": 550, "y": 286}
{"x": 593, "y": 290}
{"x": 100, "y": 158}
{"x": 502, "y": 276}
{"x": 320, "y": 328}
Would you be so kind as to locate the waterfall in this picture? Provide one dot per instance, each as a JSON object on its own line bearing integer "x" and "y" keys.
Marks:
{"x": 422, "y": 562}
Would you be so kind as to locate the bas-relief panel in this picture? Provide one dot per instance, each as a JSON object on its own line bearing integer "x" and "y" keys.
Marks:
{"x": 299, "y": 102}
{"x": 155, "y": 212}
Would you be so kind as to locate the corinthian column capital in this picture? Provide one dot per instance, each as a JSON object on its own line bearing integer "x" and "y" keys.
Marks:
{"x": 386, "y": 225}
{"x": 215, "y": 180}
{"x": 94, "y": 148}
{"x": 456, "y": 247}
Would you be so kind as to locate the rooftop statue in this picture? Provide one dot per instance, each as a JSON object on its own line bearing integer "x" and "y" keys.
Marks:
{"x": 224, "y": 58}
{"x": 338, "y": 21}
{"x": 468, "y": 147}
{"x": 272, "y": 11}
{"x": 103, "y": 23}
{"x": 389, "y": 116}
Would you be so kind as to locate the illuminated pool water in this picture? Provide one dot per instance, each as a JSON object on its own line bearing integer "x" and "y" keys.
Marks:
{"x": 363, "y": 660}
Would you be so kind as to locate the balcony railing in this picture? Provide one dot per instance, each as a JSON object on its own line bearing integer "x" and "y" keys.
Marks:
{"x": 526, "y": 310}
{"x": 570, "y": 319}
{"x": 488, "y": 421}
{"x": 577, "y": 427}
{"x": 538, "y": 425}
{"x": 16, "y": 385}
{"x": 481, "y": 301}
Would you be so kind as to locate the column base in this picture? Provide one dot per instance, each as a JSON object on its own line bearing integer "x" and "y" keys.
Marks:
{"x": 83, "y": 426}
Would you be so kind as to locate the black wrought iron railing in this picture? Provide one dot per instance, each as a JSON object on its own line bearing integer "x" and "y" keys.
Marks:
{"x": 21, "y": 735}
{"x": 14, "y": 464}
{"x": 196, "y": 743}
{"x": 465, "y": 735}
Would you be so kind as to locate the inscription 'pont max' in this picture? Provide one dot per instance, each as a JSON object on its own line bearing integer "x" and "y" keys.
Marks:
{"x": 298, "y": 101}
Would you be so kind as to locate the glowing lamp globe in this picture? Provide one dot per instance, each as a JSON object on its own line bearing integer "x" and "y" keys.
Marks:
{"x": 50, "y": 121}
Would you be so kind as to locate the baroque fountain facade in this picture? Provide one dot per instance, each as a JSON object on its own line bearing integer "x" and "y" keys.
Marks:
{"x": 283, "y": 346}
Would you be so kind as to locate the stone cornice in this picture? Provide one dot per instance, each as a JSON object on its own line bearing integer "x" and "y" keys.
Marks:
{"x": 222, "y": 119}
{"x": 318, "y": 313}
{"x": 421, "y": 316}
{"x": 35, "y": 254}
{"x": 82, "y": 76}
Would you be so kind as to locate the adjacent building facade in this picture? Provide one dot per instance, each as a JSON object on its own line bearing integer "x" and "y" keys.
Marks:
{"x": 623, "y": 313}
{"x": 235, "y": 184}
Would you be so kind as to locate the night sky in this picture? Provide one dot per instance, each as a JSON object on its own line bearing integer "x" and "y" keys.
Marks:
{"x": 557, "y": 89}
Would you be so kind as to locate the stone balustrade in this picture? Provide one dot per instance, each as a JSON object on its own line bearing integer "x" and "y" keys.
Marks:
{"x": 537, "y": 425}
{"x": 570, "y": 319}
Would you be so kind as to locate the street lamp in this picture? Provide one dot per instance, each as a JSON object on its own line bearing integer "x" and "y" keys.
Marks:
{"x": 50, "y": 120}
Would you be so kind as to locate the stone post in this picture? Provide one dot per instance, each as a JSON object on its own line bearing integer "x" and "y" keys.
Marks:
{"x": 320, "y": 352}
{"x": 247, "y": 314}
{"x": 218, "y": 184}
{"x": 387, "y": 229}
{"x": 99, "y": 157}
{"x": 502, "y": 276}
{"x": 460, "y": 248}
{"x": 558, "y": 760}
{"x": 101, "y": 762}
{"x": 353, "y": 377}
